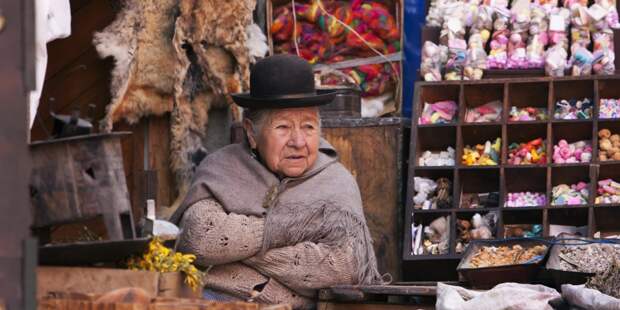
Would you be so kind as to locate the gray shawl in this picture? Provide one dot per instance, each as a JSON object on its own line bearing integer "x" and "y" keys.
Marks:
{"x": 322, "y": 206}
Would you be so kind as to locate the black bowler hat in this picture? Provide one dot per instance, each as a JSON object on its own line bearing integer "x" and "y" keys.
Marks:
{"x": 282, "y": 81}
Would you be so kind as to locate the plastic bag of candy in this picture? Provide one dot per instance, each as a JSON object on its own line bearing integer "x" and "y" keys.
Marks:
{"x": 484, "y": 23}
{"x": 457, "y": 56}
{"x": 433, "y": 57}
{"x": 559, "y": 20}
{"x": 603, "y": 55}
{"x": 476, "y": 61}
{"x": 538, "y": 40}
{"x": 555, "y": 60}
{"x": 581, "y": 61}
{"x": 454, "y": 23}
{"x": 498, "y": 54}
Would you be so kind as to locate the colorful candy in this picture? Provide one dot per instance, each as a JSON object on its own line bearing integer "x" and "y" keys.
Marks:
{"x": 530, "y": 153}
{"x": 608, "y": 192}
{"x": 577, "y": 152}
{"x": 443, "y": 158}
{"x": 440, "y": 112}
{"x": 486, "y": 154}
{"x": 527, "y": 114}
{"x": 525, "y": 199}
{"x": 488, "y": 112}
{"x": 575, "y": 194}
{"x": 573, "y": 109}
{"x": 609, "y": 145}
{"x": 609, "y": 108}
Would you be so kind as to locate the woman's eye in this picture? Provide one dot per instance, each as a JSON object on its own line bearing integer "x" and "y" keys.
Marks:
{"x": 308, "y": 126}
{"x": 282, "y": 127}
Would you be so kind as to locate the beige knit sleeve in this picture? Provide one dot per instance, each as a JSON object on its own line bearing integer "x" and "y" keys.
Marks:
{"x": 307, "y": 265}
{"x": 246, "y": 283}
{"x": 217, "y": 237}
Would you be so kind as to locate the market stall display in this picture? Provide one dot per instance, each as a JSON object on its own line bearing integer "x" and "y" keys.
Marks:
{"x": 548, "y": 168}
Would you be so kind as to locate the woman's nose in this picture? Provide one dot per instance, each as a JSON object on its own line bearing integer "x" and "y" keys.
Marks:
{"x": 297, "y": 138}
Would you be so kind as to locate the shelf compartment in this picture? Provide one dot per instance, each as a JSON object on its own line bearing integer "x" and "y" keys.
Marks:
{"x": 570, "y": 175}
{"x": 614, "y": 128}
{"x": 573, "y": 89}
{"x": 434, "y": 93}
{"x": 473, "y": 135}
{"x": 476, "y": 95}
{"x": 435, "y": 175}
{"x": 607, "y": 89}
{"x": 522, "y": 95}
{"x": 435, "y": 140}
{"x": 605, "y": 221}
{"x": 576, "y": 218}
{"x": 571, "y": 132}
{"x": 524, "y": 133}
{"x": 460, "y": 246}
{"x": 426, "y": 220}
{"x": 512, "y": 218}
{"x": 477, "y": 181}
{"x": 525, "y": 180}
{"x": 604, "y": 172}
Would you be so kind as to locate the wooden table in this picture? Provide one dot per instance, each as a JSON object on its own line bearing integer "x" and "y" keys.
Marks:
{"x": 387, "y": 297}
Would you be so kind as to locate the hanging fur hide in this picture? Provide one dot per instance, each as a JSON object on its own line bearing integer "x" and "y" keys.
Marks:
{"x": 143, "y": 77}
{"x": 178, "y": 56}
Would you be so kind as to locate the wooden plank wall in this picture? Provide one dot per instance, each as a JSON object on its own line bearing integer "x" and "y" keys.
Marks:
{"x": 16, "y": 71}
{"x": 77, "y": 78}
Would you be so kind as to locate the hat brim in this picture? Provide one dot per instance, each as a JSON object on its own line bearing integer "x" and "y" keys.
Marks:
{"x": 323, "y": 96}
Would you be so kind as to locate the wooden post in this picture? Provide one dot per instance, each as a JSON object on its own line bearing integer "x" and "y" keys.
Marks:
{"x": 16, "y": 80}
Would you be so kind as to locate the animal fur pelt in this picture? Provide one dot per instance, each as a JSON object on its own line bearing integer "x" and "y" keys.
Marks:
{"x": 178, "y": 56}
{"x": 143, "y": 77}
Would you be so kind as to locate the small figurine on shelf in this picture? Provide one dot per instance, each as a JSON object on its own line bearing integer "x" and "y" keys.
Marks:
{"x": 440, "y": 112}
{"x": 530, "y": 153}
{"x": 482, "y": 155}
{"x": 576, "y": 152}
{"x": 609, "y": 145}
{"x": 573, "y": 109}
{"x": 608, "y": 192}
{"x": 575, "y": 194}
{"x": 527, "y": 114}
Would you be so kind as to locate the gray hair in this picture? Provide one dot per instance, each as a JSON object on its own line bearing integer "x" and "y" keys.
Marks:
{"x": 258, "y": 117}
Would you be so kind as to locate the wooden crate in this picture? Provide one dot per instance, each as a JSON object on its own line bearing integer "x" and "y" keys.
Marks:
{"x": 373, "y": 150}
{"x": 98, "y": 281}
{"x": 80, "y": 178}
{"x": 541, "y": 92}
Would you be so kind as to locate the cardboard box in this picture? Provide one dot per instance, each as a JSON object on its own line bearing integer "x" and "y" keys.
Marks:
{"x": 102, "y": 280}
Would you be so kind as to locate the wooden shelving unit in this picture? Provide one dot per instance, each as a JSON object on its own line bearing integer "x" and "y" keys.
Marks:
{"x": 521, "y": 92}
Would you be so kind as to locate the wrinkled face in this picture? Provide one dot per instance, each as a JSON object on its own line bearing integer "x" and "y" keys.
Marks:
{"x": 288, "y": 142}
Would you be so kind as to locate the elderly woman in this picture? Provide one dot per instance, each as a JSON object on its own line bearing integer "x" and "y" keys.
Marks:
{"x": 278, "y": 217}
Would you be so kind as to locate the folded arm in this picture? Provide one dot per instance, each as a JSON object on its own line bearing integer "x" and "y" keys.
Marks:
{"x": 217, "y": 237}
{"x": 307, "y": 265}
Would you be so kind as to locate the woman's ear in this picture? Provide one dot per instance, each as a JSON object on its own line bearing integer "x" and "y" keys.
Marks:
{"x": 249, "y": 131}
